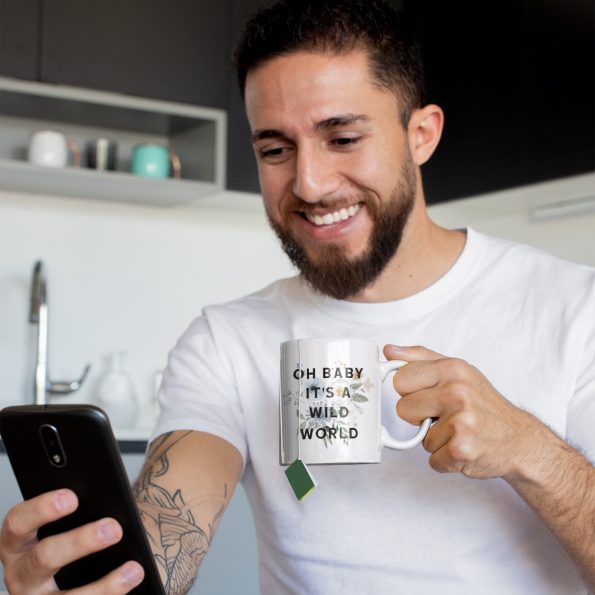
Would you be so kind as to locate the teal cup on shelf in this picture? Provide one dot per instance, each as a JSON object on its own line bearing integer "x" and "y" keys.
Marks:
{"x": 155, "y": 161}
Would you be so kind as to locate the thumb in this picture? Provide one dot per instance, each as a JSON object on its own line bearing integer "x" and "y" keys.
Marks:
{"x": 410, "y": 354}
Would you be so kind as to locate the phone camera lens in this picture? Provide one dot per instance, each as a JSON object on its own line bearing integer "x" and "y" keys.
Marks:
{"x": 52, "y": 445}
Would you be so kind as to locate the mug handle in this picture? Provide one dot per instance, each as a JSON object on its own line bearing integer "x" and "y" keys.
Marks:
{"x": 386, "y": 438}
{"x": 76, "y": 152}
{"x": 176, "y": 165}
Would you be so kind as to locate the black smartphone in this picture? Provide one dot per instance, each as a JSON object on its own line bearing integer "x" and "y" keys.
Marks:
{"x": 73, "y": 446}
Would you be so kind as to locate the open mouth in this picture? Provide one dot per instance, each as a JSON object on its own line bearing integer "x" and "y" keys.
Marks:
{"x": 334, "y": 217}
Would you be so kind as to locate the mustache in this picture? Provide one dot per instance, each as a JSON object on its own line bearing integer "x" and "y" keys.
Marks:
{"x": 328, "y": 204}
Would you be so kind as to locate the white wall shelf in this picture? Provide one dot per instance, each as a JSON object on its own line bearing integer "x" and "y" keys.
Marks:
{"x": 196, "y": 134}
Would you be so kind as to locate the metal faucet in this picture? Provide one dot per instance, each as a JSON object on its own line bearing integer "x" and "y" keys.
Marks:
{"x": 39, "y": 317}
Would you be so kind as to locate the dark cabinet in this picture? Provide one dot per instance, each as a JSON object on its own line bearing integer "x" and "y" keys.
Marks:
{"x": 172, "y": 50}
{"x": 19, "y": 38}
{"x": 516, "y": 78}
{"x": 516, "y": 82}
{"x": 242, "y": 174}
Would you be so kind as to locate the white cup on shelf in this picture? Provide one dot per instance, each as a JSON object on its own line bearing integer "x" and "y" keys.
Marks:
{"x": 50, "y": 148}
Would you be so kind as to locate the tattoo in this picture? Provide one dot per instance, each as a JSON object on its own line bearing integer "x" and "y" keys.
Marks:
{"x": 178, "y": 543}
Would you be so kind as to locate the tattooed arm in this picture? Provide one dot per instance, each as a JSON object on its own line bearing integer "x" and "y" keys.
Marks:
{"x": 182, "y": 491}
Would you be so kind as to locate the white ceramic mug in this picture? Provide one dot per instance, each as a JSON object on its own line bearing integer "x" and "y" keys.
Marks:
{"x": 330, "y": 402}
{"x": 51, "y": 149}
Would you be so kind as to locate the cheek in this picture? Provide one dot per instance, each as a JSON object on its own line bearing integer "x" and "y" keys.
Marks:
{"x": 276, "y": 189}
{"x": 372, "y": 171}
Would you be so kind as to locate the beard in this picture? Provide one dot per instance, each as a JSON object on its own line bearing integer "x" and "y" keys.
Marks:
{"x": 336, "y": 275}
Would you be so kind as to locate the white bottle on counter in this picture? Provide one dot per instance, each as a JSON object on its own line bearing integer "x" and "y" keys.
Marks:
{"x": 115, "y": 394}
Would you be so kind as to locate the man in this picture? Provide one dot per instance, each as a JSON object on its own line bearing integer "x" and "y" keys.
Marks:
{"x": 340, "y": 130}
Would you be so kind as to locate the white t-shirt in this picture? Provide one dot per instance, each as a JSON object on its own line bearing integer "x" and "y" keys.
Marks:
{"x": 524, "y": 318}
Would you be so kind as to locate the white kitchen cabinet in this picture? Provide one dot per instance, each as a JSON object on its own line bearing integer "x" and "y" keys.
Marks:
{"x": 197, "y": 135}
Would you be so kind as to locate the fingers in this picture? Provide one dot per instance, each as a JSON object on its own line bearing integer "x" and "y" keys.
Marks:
{"x": 52, "y": 553}
{"x": 410, "y": 354}
{"x": 119, "y": 581}
{"x": 20, "y": 526}
{"x": 31, "y": 564}
{"x": 425, "y": 368}
{"x": 450, "y": 373}
{"x": 37, "y": 566}
{"x": 415, "y": 407}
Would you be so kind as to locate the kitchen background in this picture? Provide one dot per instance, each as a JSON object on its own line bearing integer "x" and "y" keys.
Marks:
{"x": 128, "y": 271}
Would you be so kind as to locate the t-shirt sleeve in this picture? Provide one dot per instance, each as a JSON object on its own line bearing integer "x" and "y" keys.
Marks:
{"x": 581, "y": 410}
{"x": 198, "y": 391}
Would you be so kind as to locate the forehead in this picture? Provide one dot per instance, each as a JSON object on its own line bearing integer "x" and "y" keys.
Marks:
{"x": 313, "y": 86}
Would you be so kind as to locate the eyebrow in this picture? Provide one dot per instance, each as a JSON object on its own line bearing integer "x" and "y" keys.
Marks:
{"x": 327, "y": 123}
{"x": 342, "y": 120}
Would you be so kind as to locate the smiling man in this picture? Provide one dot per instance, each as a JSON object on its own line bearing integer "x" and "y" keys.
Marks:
{"x": 503, "y": 358}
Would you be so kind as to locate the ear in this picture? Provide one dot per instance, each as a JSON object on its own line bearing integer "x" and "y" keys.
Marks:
{"x": 424, "y": 131}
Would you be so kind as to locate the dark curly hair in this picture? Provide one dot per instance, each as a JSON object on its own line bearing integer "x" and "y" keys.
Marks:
{"x": 338, "y": 26}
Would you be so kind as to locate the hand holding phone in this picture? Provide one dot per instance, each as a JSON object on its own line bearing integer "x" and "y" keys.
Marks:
{"x": 52, "y": 447}
{"x": 30, "y": 564}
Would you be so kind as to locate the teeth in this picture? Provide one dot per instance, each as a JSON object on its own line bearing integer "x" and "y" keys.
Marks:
{"x": 330, "y": 218}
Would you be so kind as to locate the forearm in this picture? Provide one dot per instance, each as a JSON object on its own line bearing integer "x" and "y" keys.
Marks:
{"x": 181, "y": 502}
{"x": 558, "y": 483}
{"x": 179, "y": 542}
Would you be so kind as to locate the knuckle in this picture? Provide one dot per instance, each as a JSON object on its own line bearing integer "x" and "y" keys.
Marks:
{"x": 464, "y": 423}
{"x": 454, "y": 368}
{"x": 11, "y": 524}
{"x": 460, "y": 451}
{"x": 458, "y": 393}
{"x": 439, "y": 464}
{"x": 41, "y": 556}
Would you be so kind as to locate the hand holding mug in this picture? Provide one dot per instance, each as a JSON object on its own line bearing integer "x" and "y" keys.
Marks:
{"x": 478, "y": 432}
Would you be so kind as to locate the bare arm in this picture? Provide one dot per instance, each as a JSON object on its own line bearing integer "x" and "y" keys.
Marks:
{"x": 182, "y": 491}
{"x": 481, "y": 434}
{"x": 559, "y": 484}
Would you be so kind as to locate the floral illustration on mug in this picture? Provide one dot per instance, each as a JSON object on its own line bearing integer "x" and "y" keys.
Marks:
{"x": 329, "y": 407}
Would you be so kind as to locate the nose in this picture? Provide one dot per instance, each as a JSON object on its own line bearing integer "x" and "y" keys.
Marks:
{"x": 315, "y": 176}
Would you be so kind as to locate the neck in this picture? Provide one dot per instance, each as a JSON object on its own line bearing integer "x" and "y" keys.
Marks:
{"x": 426, "y": 253}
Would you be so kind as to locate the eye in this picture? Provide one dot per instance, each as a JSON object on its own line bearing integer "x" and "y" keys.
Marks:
{"x": 274, "y": 154}
{"x": 346, "y": 141}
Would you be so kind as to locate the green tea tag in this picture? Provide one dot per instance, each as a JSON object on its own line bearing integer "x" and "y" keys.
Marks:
{"x": 300, "y": 479}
